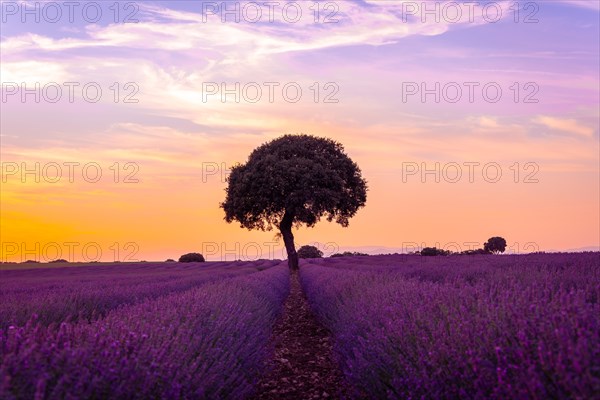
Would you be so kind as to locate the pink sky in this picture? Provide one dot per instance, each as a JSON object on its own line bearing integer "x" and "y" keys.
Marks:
{"x": 545, "y": 141}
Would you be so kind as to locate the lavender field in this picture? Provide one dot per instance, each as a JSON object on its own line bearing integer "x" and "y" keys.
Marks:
{"x": 308, "y": 140}
{"x": 57, "y": 295}
{"x": 149, "y": 331}
{"x": 524, "y": 326}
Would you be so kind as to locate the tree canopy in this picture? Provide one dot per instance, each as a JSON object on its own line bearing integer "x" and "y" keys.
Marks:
{"x": 294, "y": 180}
{"x": 191, "y": 257}
{"x": 495, "y": 245}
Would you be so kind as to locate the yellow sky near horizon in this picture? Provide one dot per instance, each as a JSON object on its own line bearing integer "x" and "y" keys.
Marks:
{"x": 171, "y": 211}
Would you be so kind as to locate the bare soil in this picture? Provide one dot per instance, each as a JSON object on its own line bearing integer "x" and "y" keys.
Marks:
{"x": 302, "y": 366}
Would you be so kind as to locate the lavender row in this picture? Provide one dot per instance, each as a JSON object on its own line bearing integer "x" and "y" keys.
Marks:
{"x": 128, "y": 272}
{"x": 89, "y": 292}
{"x": 482, "y": 266}
{"x": 208, "y": 342}
{"x": 530, "y": 330}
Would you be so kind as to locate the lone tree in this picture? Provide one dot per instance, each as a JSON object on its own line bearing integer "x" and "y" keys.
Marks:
{"x": 294, "y": 180}
{"x": 309, "y": 252}
{"x": 495, "y": 245}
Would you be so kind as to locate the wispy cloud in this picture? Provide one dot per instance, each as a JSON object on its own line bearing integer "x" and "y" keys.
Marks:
{"x": 571, "y": 126}
{"x": 589, "y": 4}
{"x": 370, "y": 52}
{"x": 168, "y": 29}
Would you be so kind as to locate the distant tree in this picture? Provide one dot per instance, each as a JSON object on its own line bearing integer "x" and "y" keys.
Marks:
{"x": 471, "y": 252}
{"x": 349, "y": 254}
{"x": 31, "y": 262}
{"x": 434, "y": 251}
{"x": 169, "y": 260}
{"x": 429, "y": 251}
{"x": 495, "y": 245}
{"x": 294, "y": 180}
{"x": 58, "y": 260}
{"x": 191, "y": 257}
{"x": 309, "y": 252}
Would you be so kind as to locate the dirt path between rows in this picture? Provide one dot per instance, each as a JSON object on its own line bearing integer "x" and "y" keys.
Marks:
{"x": 303, "y": 365}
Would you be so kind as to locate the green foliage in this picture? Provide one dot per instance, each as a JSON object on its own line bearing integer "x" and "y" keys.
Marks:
{"x": 309, "y": 252}
{"x": 191, "y": 257}
{"x": 305, "y": 177}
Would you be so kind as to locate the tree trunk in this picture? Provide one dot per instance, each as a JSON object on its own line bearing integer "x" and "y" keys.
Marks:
{"x": 288, "y": 239}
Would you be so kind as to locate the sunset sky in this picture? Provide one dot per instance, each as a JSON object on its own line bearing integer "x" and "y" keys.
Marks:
{"x": 172, "y": 147}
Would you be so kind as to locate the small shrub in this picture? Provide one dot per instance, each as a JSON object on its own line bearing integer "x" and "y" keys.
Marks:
{"x": 309, "y": 252}
{"x": 434, "y": 251}
{"x": 349, "y": 254}
{"x": 169, "y": 260}
{"x": 474, "y": 252}
{"x": 192, "y": 257}
{"x": 59, "y": 260}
